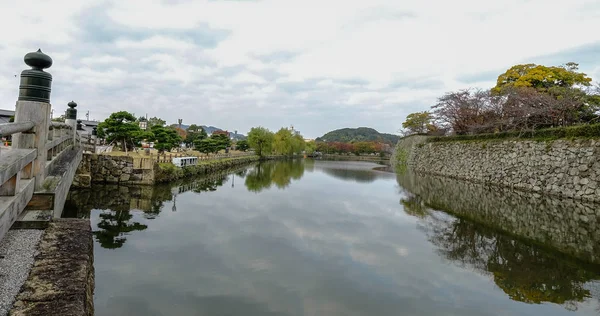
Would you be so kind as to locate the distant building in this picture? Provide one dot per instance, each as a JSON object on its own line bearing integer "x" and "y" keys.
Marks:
{"x": 88, "y": 126}
{"x": 5, "y": 115}
{"x": 309, "y": 140}
{"x": 222, "y": 133}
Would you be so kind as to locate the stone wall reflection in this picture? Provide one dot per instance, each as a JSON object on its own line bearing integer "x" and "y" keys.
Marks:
{"x": 126, "y": 209}
{"x": 564, "y": 224}
{"x": 482, "y": 237}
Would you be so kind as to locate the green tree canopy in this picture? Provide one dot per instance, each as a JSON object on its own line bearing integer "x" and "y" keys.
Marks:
{"x": 282, "y": 142}
{"x": 242, "y": 145}
{"x": 310, "y": 147}
{"x": 261, "y": 140}
{"x": 206, "y": 145}
{"x": 120, "y": 127}
{"x": 166, "y": 138}
{"x": 221, "y": 140}
{"x": 418, "y": 123}
{"x": 195, "y": 133}
{"x": 155, "y": 121}
{"x": 285, "y": 142}
{"x": 541, "y": 78}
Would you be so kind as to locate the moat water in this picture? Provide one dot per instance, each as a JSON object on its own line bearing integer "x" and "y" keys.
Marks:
{"x": 309, "y": 237}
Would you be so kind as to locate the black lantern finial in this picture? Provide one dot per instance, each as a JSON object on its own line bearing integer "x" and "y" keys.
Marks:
{"x": 71, "y": 111}
{"x": 36, "y": 84}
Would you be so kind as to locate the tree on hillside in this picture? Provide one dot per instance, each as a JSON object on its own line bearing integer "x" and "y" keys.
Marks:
{"x": 347, "y": 135}
{"x": 166, "y": 138}
{"x": 418, "y": 123}
{"x": 261, "y": 140}
{"x": 120, "y": 127}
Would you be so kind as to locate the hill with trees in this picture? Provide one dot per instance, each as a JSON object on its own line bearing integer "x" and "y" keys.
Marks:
{"x": 361, "y": 134}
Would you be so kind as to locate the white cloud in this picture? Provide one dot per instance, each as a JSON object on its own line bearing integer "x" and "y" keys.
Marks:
{"x": 155, "y": 42}
{"x": 275, "y": 59}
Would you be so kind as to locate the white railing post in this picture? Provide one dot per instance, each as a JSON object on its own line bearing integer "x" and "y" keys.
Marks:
{"x": 34, "y": 106}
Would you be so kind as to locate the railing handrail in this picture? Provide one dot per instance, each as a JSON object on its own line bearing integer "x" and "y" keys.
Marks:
{"x": 60, "y": 125}
{"x": 14, "y": 128}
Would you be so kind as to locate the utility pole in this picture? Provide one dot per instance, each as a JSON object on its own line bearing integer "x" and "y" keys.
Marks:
{"x": 87, "y": 116}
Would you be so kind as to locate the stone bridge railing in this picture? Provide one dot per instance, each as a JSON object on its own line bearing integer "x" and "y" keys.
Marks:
{"x": 37, "y": 142}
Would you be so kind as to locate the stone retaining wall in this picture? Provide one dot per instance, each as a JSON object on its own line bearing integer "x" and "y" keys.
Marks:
{"x": 125, "y": 170}
{"x": 96, "y": 168}
{"x": 568, "y": 168}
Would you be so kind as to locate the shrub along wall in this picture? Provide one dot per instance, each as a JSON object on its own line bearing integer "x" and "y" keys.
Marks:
{"x": 578, "y": 131}
{"x": 563, "y": 167}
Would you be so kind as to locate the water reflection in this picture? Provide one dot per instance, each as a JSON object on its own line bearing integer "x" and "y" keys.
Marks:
{"x": 524, "y": 271}
{"x": 281, "y": 173}
{"x": 334, "y": 242}
{"x": 116, "y": 220}
{"x": 360, "y": 172}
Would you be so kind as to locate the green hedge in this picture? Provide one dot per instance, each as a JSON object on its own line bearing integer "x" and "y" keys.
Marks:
{"x": 577, "y": 131}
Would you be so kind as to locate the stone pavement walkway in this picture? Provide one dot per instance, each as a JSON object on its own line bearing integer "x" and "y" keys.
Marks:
{"x": 17, "y": 251}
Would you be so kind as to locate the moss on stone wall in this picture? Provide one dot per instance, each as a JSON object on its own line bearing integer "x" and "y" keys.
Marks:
{"x": 401, "y": 155}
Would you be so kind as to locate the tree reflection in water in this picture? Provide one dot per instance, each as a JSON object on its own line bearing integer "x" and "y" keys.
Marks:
{"x": 281, "y": 173}
{"x": 119, "y": 204}
{"x": 525, "y": 272}
{"x": 114, "y": 225}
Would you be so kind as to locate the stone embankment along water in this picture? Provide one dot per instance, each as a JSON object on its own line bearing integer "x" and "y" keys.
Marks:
{"x": 61, "y": 281}
{"x": 126, "y": 170}
{"x": 567, "y": 168}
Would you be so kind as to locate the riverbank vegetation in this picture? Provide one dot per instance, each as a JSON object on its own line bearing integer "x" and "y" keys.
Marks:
{"x": 285, "y": 142}
{"x": 528, "y": 101}
{"x": 357, "y": 148}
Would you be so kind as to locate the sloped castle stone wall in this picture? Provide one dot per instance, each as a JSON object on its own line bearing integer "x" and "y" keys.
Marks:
{"x": 567, "y": 168}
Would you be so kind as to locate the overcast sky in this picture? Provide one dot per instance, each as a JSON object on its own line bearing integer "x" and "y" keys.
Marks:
{"x": 317, "y": 65}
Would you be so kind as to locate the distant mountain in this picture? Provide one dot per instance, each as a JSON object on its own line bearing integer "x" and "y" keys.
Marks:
{"x": 360, "y": 134}
{"x": 210, "y": 129}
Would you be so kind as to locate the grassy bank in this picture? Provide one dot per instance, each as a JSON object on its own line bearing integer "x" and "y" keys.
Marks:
{"x": 569, "y": 132}
{"x": 165, "y": 172}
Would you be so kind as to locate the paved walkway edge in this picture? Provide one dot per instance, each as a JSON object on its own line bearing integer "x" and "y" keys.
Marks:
{"x": 61, "y": 281}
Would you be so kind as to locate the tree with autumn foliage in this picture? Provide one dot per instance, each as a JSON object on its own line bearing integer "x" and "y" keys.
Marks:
{"x": 526, "y": 97}
{"x": 419, "y": 123}
{"x": 541, "y": 78}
